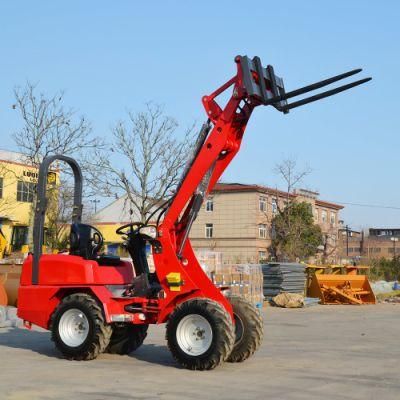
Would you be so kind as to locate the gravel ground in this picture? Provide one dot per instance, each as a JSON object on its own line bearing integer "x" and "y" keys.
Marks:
{"x": 322, "y": 352}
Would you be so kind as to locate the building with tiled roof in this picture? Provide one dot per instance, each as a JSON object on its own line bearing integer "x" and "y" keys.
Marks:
{"x": 236, "y": 221}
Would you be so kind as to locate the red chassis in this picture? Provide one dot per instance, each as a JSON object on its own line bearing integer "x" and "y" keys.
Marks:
{"x": 48, "y": 281}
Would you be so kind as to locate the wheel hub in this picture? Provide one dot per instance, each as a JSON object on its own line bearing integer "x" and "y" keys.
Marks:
{"x": 73, "y": 327}
{"x": 194, "y": 334}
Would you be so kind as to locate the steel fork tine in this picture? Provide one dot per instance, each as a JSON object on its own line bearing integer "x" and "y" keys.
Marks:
{"x": 324, "y": 94}
{"x": 313, "y": 86}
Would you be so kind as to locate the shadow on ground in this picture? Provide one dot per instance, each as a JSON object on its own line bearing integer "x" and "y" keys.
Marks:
{"x": 40, "y": 342}
{"x": 154, "y": 354}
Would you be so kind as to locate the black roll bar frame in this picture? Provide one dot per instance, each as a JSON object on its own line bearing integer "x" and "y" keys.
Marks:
{"x": 41, "y": 205}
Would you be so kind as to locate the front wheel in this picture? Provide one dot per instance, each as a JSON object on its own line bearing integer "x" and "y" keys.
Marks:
{"x": 200, "y": 334}
{"x": 248, "y": 329}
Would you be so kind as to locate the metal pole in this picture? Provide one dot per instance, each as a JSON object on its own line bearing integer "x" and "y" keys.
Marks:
{"x": 347, "y": 240}
{"x": 95, "y": 201}
{"x": 394, "y": 240}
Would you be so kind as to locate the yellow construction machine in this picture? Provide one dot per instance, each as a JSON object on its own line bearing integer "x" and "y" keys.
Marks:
{"x": 10, "y": 272}
{"x": 336, "y": 284}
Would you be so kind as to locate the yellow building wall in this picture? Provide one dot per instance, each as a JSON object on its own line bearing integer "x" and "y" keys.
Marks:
{"x": 108, "y": 231}
{"x": 111, "y": 239}
{"x": 12, "y": 212}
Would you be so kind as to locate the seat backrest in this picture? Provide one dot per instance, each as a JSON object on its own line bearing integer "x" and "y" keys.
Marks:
{"x": 85, "y": 241}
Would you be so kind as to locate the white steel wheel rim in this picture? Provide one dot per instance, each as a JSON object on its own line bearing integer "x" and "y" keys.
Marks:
{"x": 73, "y": 327}
{"x": 194, "y": 334}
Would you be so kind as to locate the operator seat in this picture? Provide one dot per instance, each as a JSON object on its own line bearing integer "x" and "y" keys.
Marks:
{"x": 86, "y": 241}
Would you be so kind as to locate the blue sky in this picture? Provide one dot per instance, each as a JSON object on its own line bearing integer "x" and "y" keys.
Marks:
{"x": 112, "y": 56}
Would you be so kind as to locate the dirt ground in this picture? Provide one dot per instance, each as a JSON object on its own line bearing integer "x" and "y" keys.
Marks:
{"x": 322, "y": 352}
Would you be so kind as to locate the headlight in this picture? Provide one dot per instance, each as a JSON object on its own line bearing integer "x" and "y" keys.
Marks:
{"x": 150, "y": 231}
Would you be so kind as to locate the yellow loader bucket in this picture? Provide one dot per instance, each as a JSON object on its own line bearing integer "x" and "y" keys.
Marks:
{"x": 341, "y": 289}
{"x": 9, "y": 281}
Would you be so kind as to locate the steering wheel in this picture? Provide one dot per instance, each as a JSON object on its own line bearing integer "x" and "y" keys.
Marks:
{"x": 133, "y": 226}
{"x": 97, "y": 240}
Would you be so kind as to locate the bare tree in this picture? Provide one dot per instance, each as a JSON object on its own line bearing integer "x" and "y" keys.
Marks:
{"x": 289, "y": 172}
{"x": 286, "y": 170}
{"x": 7, "y": 204}
{"x": 146, "y": 160}
{"x": 59, "y": 214}
{"x": 292, "y": 176}
{"x": 48, "y": 127}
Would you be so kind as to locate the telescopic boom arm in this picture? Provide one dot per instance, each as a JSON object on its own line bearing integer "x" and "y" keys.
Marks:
{"x": 253, "y": 85}
{"x": 218, "y": 142}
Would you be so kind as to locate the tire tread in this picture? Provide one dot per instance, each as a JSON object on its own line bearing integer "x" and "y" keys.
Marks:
{"x": 254, "y": 337}
{"x": 128, "y": 341}
{"x": 223, "y": 324}
{"x": 102, "y": 334}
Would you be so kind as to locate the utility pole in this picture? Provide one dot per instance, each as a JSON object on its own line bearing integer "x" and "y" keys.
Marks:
{"x": 394, "y": 240}
{"x": 326, "y": 248}
{"x": 95, "y": 201}
{"x": 362, "y": 243}
{"x": 347, "y": 240}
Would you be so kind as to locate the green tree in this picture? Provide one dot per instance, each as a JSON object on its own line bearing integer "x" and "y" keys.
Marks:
{"x": 294, "y": 234}
{"x": 389, "y": 270}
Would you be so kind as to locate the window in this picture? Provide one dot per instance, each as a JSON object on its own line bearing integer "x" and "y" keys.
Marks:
{"x": 323, "y": 216}
{"x": 262, "y": 255}
{"x": 19, "y": 237}
{"x": 377, "y": 249}
{"x": 316, "y": 214}
{"x": 262, "y": 204}
{"x": 209, "y": 230}
{"x": 1, "y": 188}
{"x": 210, "y": 204}
{"x": 274, "y": 206}
{"x": 25, "y": 191}
{"x": 333, "y": 218}
{"x": 262, "y": 231}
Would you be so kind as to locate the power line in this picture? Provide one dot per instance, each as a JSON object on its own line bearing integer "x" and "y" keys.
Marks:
{"x": 368, "y": 205}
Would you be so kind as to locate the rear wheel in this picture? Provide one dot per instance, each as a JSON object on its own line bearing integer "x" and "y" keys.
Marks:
{"x": 78, "y": 328}
{"x": 248, "y": 329}
{"x": 200, "y": 334}
{"x": 126, "y": 338}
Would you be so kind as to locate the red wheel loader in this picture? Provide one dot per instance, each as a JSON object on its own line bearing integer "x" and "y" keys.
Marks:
{"x": 94, "y": 303}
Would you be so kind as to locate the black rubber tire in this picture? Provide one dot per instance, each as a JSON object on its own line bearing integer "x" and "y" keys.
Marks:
{"x": 99, "y": 332}
{"x": 222, "y": 330}
{"x": 249, "y": 338}
{"x": 126, "y": 338}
